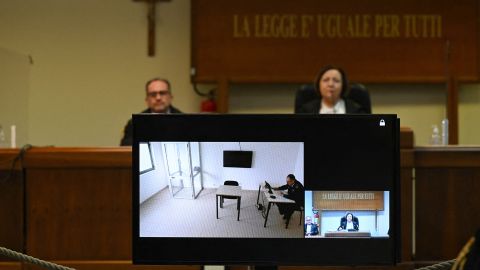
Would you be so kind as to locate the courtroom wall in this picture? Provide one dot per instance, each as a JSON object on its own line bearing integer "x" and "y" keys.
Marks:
{"x": 14, "y": 81}
{"x": 469, "y": 110}
{"x": 90, "y": 63}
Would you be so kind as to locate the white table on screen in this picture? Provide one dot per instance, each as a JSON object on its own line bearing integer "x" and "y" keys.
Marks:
{"x": 278, "y": 199}
{"x": 232, "y": 191}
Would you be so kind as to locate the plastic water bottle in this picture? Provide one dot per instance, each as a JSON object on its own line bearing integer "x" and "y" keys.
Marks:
{"x": 445, "y": 131}
{"x": 435, "y": 138}
{"x": 3, "y": 142}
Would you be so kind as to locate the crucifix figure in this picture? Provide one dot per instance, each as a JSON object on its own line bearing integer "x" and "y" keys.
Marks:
{"x": 151, "y": 24}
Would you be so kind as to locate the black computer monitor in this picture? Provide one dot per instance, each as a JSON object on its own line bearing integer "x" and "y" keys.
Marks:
{"x": 190, "y": 209}
{"x": 267, "y": 185}
{"x": 237, "y": 159}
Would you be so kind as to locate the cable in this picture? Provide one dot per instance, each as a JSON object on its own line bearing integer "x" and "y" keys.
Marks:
{"x": 29, "y": 259}
{"x": 18, "y": 157}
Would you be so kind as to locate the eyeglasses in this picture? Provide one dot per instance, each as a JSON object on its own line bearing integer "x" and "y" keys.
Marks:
{"x": 161, "y": 93}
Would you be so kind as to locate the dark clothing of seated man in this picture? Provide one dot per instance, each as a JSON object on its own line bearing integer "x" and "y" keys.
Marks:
{"x": 296, "y": 192}
{"x": 158, "y": 98}
{"x": 127, "y": 138}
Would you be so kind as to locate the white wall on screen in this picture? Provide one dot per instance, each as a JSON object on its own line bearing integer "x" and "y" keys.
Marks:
{"x": 308, "y": 204}
{"x": 272, "y": 162}
{"x": 298, "y": 172}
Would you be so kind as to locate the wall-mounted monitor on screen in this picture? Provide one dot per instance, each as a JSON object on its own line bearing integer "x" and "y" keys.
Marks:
{"x": 192, "y": 209}
{"x": 238, "y": 159}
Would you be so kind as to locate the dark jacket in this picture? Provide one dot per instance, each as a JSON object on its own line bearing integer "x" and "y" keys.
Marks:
{"x": 296, "y": 192}
{"x": 128, "y": 130}
{"x": 343, "y": 223}
{"x": 314, "y": 107}
{"x": 314, "y": 229}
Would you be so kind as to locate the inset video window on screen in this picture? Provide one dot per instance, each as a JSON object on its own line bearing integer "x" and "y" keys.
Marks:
{"x": 347, "y": 214}
{"x": 217, "y": 189}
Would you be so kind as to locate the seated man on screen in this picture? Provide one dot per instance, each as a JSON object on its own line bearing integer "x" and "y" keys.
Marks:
{"x": 158, "y": 99}
{"x": 348, "y": 223}
{"x": 296, "y": 192}
{"x": 310, "y": 228}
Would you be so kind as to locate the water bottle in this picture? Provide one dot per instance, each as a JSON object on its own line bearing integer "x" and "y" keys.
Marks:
{"x": 3, "y": 142}
{"x": 445, "y": 131}
{"x": 435, "y": 138}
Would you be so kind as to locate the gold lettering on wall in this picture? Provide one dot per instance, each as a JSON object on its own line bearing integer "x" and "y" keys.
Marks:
{"x": 348, "y": 196}
{"x": 275, "y": 26}
{"x": 423, "y": 26}
{"x": 242, "y": 28}
{"x": 307, "y": 21}
{"x": 348, "y": 200}
{"x": 335, "y": 26}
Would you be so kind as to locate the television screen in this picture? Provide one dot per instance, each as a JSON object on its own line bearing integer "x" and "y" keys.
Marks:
{"x": 240, "y": 159}
{"x": 335, "y": 197}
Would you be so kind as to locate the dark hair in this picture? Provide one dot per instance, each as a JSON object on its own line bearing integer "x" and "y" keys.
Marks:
{"x": 344, "y": 79}
{"x": 349, "y": 213}
{"x": 160, "y": 80}
{"x": 291, "y": 176}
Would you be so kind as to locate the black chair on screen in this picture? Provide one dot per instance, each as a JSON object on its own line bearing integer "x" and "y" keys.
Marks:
{"x": 228, "y": 183}
{"x": 299, "y": 209}
{"x": 358, "y": 93}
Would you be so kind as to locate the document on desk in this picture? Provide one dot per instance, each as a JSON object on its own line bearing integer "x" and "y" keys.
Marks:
{"x": 279, "y": 198}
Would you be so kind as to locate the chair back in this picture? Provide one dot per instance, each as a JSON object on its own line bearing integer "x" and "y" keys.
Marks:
{"x": 358, "y": 93}
{"x": 230, "y": 183}
{"x": 305, "y": 94}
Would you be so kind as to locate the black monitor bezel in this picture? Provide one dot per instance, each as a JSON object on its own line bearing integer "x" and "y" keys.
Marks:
{"x": 148, "y": 250}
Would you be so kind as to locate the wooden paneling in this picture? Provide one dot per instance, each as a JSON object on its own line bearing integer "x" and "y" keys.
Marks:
{"x": 113, "y": 265}
{"x": 76, "y": 157}
{"x": 10, "y": 266}
{"x": 406, "y": 208}
{"x": 79, "y": 214}
{"x": 11, "y": 212}
{"x": 78, "y": 210}
{"x": 447, "y": 203}
{"x": 447, "y": 157}
{"x": 348, "y": 200}
{"x": 406, "y": 138}
{"x": 11, "y": 207}
{"x": 275, "y": 41}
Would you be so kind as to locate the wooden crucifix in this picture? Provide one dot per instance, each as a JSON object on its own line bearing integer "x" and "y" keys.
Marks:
{"x": 151, "y": 23}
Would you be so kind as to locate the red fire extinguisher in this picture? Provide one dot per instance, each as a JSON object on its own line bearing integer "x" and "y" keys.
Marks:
{"x": 209, "y": 104}
{"x": 316, "y": 216}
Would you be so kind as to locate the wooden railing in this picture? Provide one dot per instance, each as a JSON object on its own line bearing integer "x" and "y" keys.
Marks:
{"x": 73, "y": 205}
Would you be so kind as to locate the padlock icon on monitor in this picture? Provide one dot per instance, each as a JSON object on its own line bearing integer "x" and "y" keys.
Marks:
{"x": 382, "y": 122}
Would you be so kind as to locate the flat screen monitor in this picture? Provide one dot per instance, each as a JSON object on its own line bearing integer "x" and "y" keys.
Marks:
{"x": 269, "y": 187}
{"x": 237, "y": 159}
{"x": 341, "y": 207}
